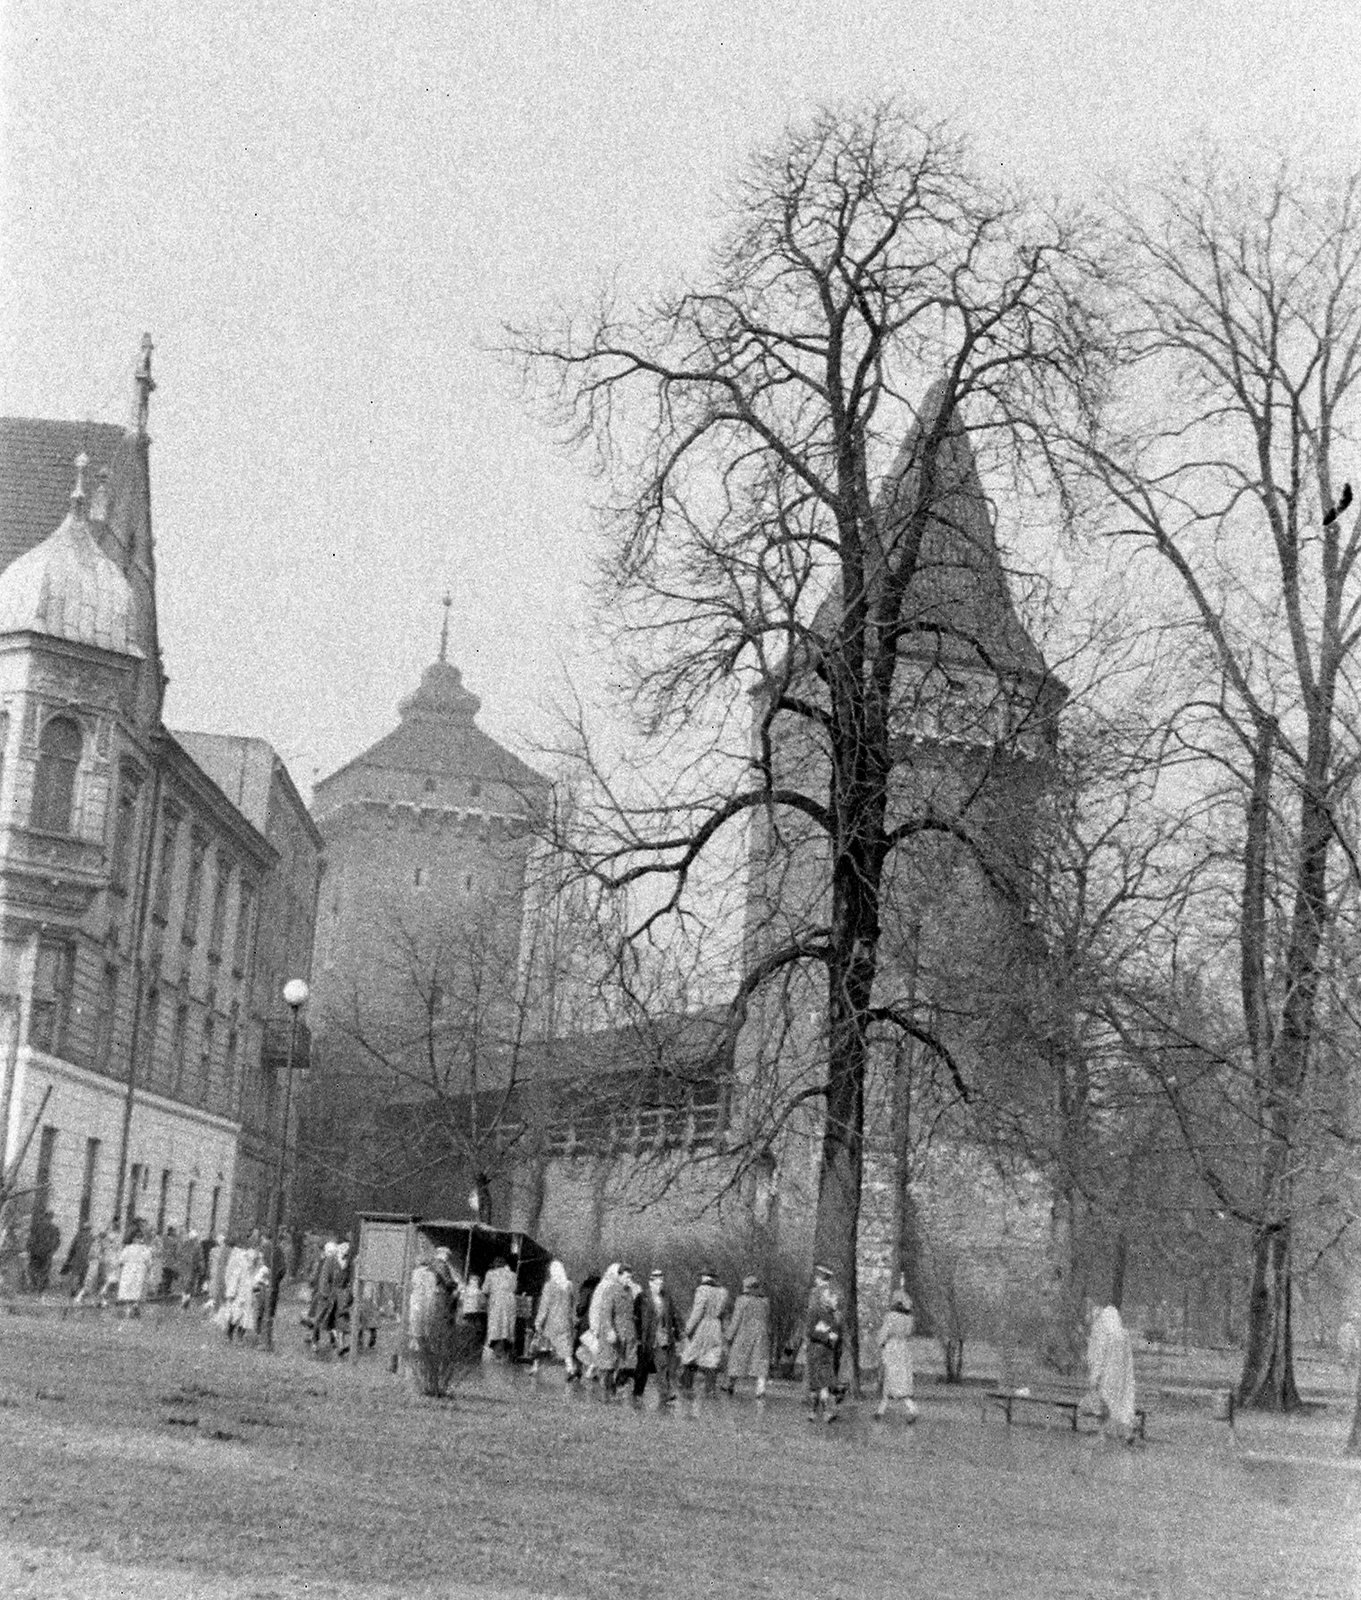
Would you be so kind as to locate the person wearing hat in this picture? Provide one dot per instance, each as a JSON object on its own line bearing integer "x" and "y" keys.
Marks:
{"x": 703, "y": 1348}
{"x": 895, "y": 1355}
{"x": 659, "y": 1338}
{"x": 825, "y": 1329}
{"x": 749, "y": 1337}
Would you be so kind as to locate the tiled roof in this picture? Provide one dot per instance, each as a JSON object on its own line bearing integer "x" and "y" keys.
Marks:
{"x": 37, "y": 471}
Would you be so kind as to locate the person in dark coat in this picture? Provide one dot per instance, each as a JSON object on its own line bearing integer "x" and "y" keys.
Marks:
{"x": 825, "y": 1330}
{"x": 44, "y": 1240}
{"x": 77, "y": 1262}
{"x": 658, "y": 1338}
{"x": 585, "y": 1294}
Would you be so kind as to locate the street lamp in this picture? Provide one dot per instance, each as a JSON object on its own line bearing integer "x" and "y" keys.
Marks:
{"x": 295, "y": 998}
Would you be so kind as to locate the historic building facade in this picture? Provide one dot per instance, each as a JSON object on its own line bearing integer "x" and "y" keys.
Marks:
{"x": 135, "y": 1074}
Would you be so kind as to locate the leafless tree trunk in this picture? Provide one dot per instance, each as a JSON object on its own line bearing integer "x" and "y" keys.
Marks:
{"x": 767, "y": 524}
{"x": 1246, "y": 327}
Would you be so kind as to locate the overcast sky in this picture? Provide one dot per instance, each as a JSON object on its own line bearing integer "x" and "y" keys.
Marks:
{"x": 323, "y": 214}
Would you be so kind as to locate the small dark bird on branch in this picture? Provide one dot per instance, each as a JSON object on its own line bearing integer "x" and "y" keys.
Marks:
{"x": 1340, "y": 507}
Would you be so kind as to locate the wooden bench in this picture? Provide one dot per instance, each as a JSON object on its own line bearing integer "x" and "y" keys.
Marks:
{"x": 1006, "y": 1399}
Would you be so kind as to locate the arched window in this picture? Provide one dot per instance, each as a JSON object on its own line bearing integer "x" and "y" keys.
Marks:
{"x": 55, "y": 785}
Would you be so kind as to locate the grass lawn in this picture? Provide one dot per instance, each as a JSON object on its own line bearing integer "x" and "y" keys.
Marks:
{"x": 148, "y": 1459}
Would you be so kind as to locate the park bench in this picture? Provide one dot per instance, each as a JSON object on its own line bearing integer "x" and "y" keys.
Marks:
{"x": 1007, "y": 1399}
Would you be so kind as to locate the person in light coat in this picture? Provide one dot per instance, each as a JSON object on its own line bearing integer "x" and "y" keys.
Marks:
{"x": 1110, "y": 1372}
{"x": 749, "y": 1337}
{"x": 499, "y": 1287}
{"x": 134, "y": 1274}
{"x": 238, "y": 1313}
{"x": 553, "y": 1322}
{"x": 895, "y": 1356}
{"x": 702, "y": 1350}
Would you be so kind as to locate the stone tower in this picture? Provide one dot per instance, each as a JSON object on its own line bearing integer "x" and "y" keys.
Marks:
{"x": 427, "y": 835}
{"x": 976, "y": 718}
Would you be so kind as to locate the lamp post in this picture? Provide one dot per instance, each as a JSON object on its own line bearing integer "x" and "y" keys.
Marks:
{"x": 295, "y": 997}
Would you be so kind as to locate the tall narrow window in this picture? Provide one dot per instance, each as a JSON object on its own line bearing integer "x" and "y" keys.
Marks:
{"x": 163, "y": 1203}
{"x": 219, "y": 919}
{"x": 189, "y": 1205}
{"x": 42, "y": 1182}
{"x": 54, "y": 786}
{"x": 146, "y": 1045}
{"x": 245, "y": 911}
{"x": 124, "y": 832}
{"x": 170, "y": 828}
{"x": 50, "y": 1010}
{"x": 87, "y": 1187}
{"x": 205, "y": 1059}
{"x": 193, "y": 892}
{"x": 136, "y": 1174}
{"x": 229, "y": 1068}
{"x": 179, "y": 1048}
{"x": 108, "y": 1020}
{"x": 212, "y": 1215}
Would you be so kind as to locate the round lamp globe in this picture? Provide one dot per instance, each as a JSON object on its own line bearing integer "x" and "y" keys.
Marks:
{"x": 295, "y": 993}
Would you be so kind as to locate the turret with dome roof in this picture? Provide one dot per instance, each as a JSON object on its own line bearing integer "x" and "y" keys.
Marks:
{"x": 67, "y": 588}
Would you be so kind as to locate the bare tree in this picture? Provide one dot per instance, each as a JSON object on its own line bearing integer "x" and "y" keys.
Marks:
{"x": 1244, "y": 348}
{"x": 767, "y": 530}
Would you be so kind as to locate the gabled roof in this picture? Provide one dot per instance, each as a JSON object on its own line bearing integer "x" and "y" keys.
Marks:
{"x": 37, "y": 468}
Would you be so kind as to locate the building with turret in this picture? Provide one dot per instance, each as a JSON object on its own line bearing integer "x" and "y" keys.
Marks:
{"x": 138, "y": 1072}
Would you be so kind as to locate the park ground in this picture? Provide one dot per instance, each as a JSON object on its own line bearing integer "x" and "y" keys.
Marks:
{"x": 149, "y": 1461}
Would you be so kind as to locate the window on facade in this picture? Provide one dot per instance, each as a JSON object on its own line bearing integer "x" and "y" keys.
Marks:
{"x": 87, "y": 1186}
{"x": 163, "y": 1202}
{"x": 42, "y": 1182}
{"x": 107, "y": 1020}
{"x": 229, "y": 1066}
{"x": 50, "y": 1010}
{"x": 146, "y": 1047}
{"x": 189, "y": 1205}
{"x": 245, "y": 910}
{"x": 135, "y": 1177}
{"x": 54, "y": 785}
{"x": 170, "y": 829}
{"x": 178, "y": 1047}
{"x": 205, "y": 1058}
{"x": 193, "y": 893}
{"x": 124, "y": 832}
{"x": 420, "y": 877}
{"x": 212, "y": 1215}
{"x": 217, "y": 926}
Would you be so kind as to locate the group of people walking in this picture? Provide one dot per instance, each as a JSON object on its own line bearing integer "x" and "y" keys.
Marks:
{"x": 620, "y": 1329}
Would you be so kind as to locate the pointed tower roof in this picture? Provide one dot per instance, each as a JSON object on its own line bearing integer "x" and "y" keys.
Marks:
{"x": 67, "y": 587}
{"x": 958, "y": 606}
{"x": 959, "y": 603}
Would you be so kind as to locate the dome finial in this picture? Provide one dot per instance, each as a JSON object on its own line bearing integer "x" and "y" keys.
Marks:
{"x": 78, "y": 493}
{"x": 444, "y": 629}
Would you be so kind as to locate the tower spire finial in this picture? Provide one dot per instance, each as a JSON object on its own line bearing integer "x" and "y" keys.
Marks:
{"x": 444, "y": 629}
{"x": 145, "y": 385}
{"x": 78, "y": 492}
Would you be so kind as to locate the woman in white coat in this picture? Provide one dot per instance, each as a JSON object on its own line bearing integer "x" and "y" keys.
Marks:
{"x": 702, "y": 1350}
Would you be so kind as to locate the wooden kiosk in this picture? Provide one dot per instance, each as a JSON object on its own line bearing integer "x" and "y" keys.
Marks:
{"x": 391, "y": 1244}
